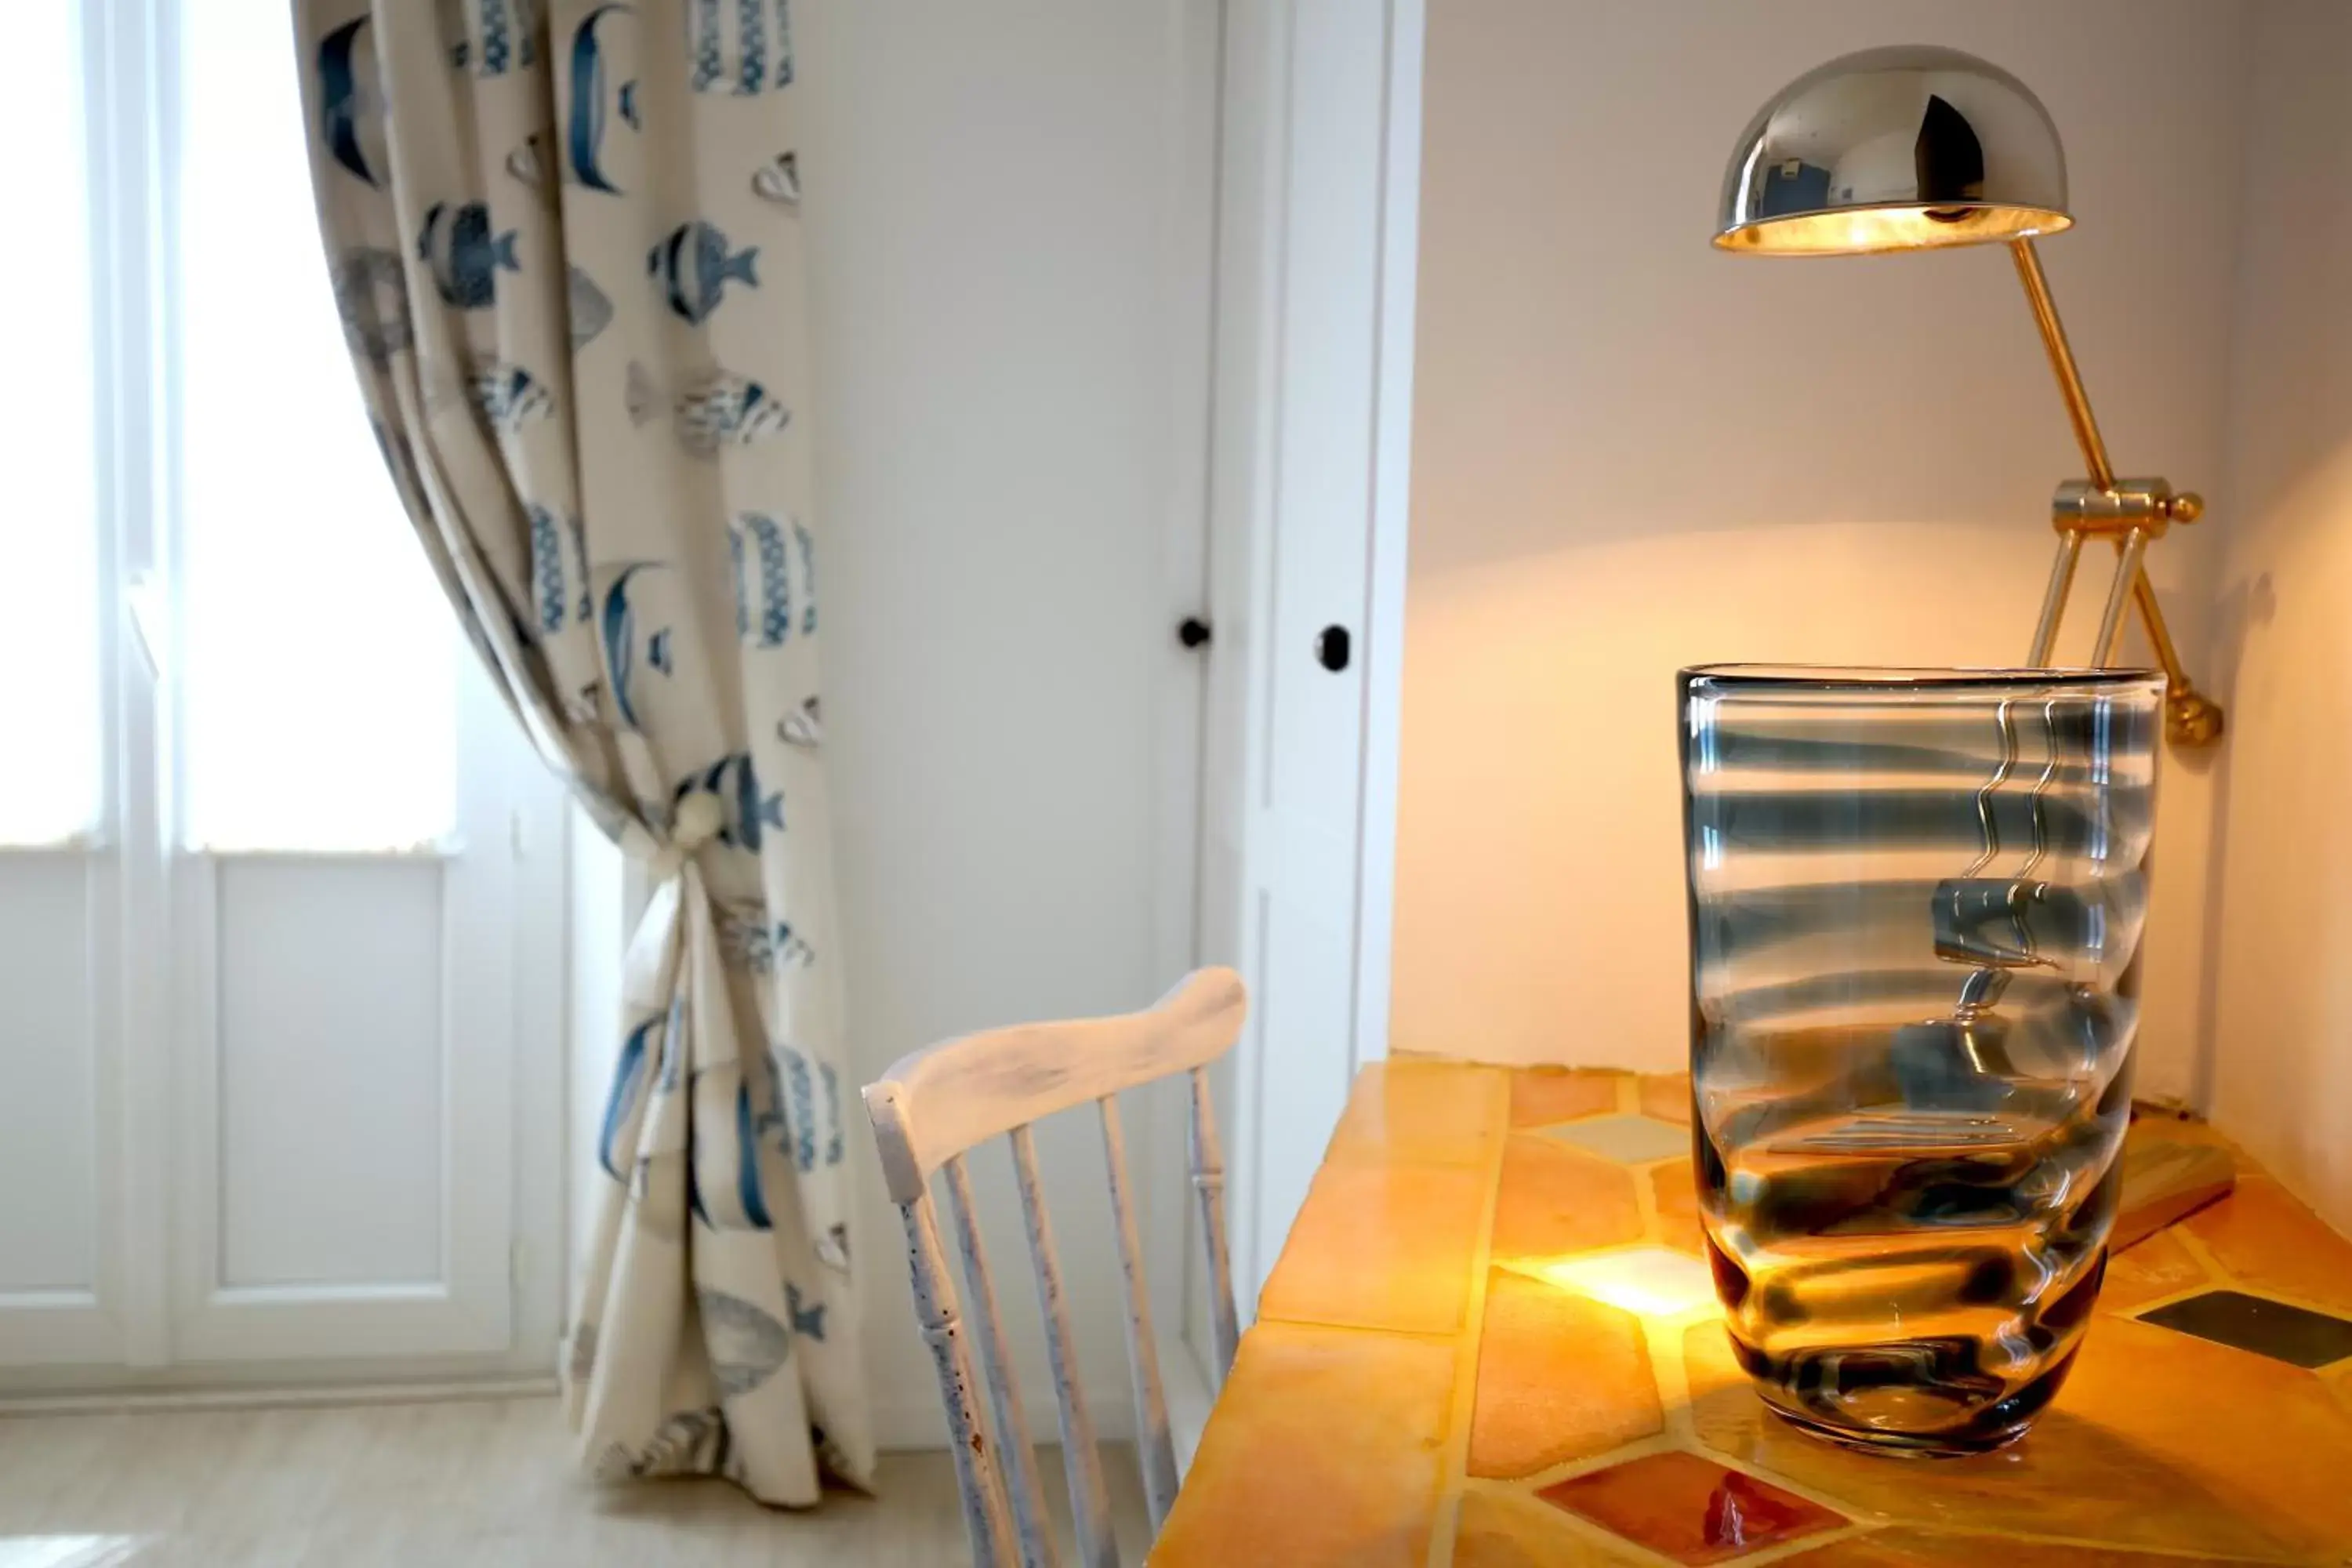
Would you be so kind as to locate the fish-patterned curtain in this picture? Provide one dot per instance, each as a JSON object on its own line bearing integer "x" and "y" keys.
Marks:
{"x": 566, "y": 238}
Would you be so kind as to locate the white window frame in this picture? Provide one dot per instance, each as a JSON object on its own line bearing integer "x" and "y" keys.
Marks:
{"x": 156, "y": 1299}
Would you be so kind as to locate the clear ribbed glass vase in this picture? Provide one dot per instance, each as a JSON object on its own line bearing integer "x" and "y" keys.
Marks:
{"x": 1916, "y": 903}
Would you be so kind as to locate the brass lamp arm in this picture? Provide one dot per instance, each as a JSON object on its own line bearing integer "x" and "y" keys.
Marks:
{"x": 2131, "y": 512}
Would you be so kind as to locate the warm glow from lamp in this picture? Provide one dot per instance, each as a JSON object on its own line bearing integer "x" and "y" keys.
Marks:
{"x": 1650, "y": 1281}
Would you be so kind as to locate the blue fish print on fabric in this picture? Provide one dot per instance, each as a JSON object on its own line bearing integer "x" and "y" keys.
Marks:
{"x": 351, "y": 115}
{"x": 599, "y": 97}
{"x": 764, "y": 588}
{"x": 833, "y": 1249}
{"x": 465, "y": 254}
{"x": 749, "y": 939}
{"x": 372, "y": 297}
{"x": 745, "y": 1344}
{"x": 723, "y": 409}
{"x": 508, "y": 396}
{"x": 559, "y": 558}
{"x": 693, "y": 268}
{"x": 507, "y": 28}
{"x": 628, "y": 645}
{"x": 807, "y": 543}
{"x": 833, "y": 1142}
{"x": 591, "y": 312}
{"x": 779, "y": 180}
{"x": 807, "y": 1320}
{"x": 631, "y": 1076}
{"x": 723, "y": 1178}
{"x": 748, "y": 811}
{"x": 528, "y": 162}
{"x": 732, "y": 47}
{"x": 802, "y": 1093}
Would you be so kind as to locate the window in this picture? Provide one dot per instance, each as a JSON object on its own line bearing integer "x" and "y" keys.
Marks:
{"x": 50, "y": 791}
{"x": 282, "y": 884}
{"x": 319, "y": 658}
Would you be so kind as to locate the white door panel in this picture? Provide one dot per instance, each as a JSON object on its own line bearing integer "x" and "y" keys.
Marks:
{"x": 48, "y": 1107}
{"x": 1313, "y": 386}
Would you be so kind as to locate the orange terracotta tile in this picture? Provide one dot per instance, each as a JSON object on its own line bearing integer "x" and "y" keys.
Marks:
{"x": 1559, "y": 1377}
{"x": 1666, "y": 1096}
{"x": 1323, "y": 1449}
{"x": 1677, "y": 1198}
{"x": 2265, "y": 1239}
{"x": 1418, "y": 1112}
{"x": 1380, "y": 1246}
{"x": 1689, "y": 1509}
{"x": 1557, "y": 1199}
{"x": 2158, "y": 1439}
{"x": 1515, "y": 1530}
{"x": 2147, "y": 1271}
{"x": 1541, "y": 1096}
{"x": 1918, "y": 1548}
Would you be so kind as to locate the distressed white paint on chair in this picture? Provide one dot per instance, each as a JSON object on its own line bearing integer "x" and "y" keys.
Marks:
{"x": 932, "y": 1107}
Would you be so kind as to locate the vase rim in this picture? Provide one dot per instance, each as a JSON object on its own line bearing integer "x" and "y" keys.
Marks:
{"x": 1903, "y": 677}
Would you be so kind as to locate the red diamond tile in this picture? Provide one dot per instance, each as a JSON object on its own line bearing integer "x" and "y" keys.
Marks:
{"x": 1689, "y": 1509}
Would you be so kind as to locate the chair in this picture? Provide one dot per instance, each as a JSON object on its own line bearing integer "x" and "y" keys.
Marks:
{"x": 935, "y": 1105}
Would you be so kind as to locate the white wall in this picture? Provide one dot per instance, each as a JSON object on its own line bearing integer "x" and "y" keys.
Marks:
{"x": 2280, "y": 915}
{"x": 1632, "y": 452}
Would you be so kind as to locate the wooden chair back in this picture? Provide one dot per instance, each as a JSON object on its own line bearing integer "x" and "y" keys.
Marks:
{"x": 933, "y": 1107}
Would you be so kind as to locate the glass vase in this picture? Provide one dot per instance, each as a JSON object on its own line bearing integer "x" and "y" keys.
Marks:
{"x": 1916, "y": 903}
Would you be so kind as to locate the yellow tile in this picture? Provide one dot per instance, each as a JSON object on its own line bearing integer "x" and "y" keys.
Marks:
{"x": 1517, "y": 1531}
{"x": 2265, "y": 1239}
{"x": 1380, "y": 1246}
{"x": 2146, "y": 1271}
{"x": 1557, "y": 1199}
{"x": 1541, "y": 1096}
{"x": 1559, "y": 1377}
{"x": 1422, "y": 1113}
{"x": 1918, "y": 1548}
{"x": 1677, "y": 1204}
{"x": 1322, "y": 1448}
{"x": 1666, "y": 1096}
{"x": 2158, "y": 1439}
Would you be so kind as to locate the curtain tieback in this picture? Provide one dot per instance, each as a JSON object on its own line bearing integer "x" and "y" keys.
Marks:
{"x": 700, "y": 817}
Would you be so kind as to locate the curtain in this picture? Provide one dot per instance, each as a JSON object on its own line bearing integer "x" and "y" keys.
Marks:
{"x": 565, "y": 241}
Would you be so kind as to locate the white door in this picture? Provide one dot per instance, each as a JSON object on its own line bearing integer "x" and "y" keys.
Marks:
{"x": 1314, "y": 379}
{"x": 280, "y": 887}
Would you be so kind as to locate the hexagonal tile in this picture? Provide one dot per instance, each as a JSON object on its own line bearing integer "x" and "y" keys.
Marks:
{"x": 2158, "y": 1440}
{"x": 2147, "y": 1271}
{"x": 1559, "y": 1377}
{"x": 1628, "y": 1140}
{"x": 1667, "y": 1096}
{"x": 1541, "y": 1096}
{"x": 1556, "y": 1200}
{"x": 2268, "y": 1240}
{"x": 1692, "y": 1509}
{"x": 1514, "y": 1531}
{"x": 2256, "y": 1323}
{"x": 1380, "y": 1247}
{"x": 1676, "y": 1193}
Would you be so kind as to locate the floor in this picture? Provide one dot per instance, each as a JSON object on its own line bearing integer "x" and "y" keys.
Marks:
{"x": 453, "y": 1485}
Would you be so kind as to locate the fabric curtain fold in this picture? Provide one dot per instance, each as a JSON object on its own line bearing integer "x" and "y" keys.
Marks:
{"x": 565, "y": 242}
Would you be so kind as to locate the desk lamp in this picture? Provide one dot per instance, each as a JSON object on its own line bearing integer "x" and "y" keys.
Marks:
{"x": 1914, "y": 147}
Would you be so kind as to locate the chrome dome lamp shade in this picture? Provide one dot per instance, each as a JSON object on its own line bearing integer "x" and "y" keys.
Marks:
{"x": 1917, "y": 147}
{"x": 1894, "y": 150}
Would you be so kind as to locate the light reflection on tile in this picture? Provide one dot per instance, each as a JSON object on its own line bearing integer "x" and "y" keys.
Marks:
{"x": 1560, "y": 1377}
{"x": 1628, "y": 1140}
{"x": 1648, "y": 1281}
{"x": 68, "y": 1551}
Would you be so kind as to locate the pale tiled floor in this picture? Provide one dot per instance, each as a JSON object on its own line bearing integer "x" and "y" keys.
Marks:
{"x": 449, "y": 1485}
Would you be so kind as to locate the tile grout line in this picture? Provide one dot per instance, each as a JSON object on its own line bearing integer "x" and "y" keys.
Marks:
{"x": 1453, "y": 1463}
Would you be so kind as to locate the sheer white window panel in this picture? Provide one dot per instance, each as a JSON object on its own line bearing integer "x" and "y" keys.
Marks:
{"x": 50, "y": 792}
{"x": 320, "y": 697}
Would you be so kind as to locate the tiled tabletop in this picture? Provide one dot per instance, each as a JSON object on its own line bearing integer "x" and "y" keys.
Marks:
{"x": 1491, "y": 1343}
